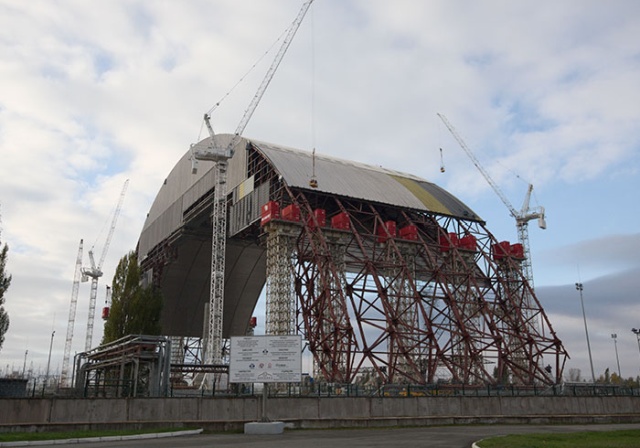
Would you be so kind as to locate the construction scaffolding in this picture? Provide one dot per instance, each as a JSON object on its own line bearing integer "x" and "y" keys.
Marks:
{"x": 281, "y": 301}
{"x": 384, "y": 275}
{"x": 416, "y": 297}
{"x": 133, "y": 366}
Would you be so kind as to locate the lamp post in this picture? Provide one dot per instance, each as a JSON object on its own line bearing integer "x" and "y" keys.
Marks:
{"x": 614, "y": 336}
{"x": 586, "y": 331}
{"x": 637, "y": 333}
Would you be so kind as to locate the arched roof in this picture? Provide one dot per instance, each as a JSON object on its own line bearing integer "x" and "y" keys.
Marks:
{"x": 182, "y": 189}
{"x": 179, "y": 220}
{"x": 357, "y": 180}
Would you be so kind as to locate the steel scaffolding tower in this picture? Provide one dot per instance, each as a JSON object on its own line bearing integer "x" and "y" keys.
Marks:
{"x": 281, "y": 302}
{"x": 213, "y": 352}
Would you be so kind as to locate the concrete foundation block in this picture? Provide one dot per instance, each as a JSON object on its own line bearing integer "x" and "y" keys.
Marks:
{"x": 264, "y": 428}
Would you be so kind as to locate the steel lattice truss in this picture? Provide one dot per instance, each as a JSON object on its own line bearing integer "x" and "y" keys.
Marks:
{"x": 280, "y": 309}
{"x": 415, "y": 310}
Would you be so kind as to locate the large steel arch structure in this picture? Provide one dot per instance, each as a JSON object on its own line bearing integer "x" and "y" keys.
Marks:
{"x": 379, "y": 271}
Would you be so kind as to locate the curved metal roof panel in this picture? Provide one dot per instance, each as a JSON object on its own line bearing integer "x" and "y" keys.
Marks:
{"x": 357, "y": 180}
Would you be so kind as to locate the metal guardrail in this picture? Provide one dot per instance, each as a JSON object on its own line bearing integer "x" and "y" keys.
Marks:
{"x": 115, "y": 387}
{"x": 408, "y": 390}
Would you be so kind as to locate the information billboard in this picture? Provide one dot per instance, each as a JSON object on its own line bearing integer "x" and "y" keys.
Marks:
{"x": 265, "y": 359}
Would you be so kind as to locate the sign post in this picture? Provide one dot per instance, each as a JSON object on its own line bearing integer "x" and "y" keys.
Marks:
{"x": 265, "y": 359}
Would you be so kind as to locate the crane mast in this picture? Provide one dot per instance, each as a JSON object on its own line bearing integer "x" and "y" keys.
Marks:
{"x": 220, "y": 156}
{"x": 521, "y": 217}
{"x": 95, "y": 271}
{"x": 522, "y": 224}
{"x": 64, "y": 376}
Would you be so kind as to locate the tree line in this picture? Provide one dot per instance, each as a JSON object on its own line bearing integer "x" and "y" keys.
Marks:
{"x": 575, "y": 376}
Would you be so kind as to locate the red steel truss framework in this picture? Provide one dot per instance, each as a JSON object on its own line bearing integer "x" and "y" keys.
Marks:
{"x": 415, "y": 310}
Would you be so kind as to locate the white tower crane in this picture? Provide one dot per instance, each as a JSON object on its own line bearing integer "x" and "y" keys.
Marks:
{"x": 522, "y": 217}
{"x": 64, "y": 376}
{"x": 107, "y": 303}
{"x": 221, "y": 156}
{"x": 95, "y": 272}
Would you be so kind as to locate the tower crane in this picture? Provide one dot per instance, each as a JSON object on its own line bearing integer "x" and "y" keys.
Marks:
{"x": 220, "y": 155}
{"x": 72, "y": 318}
{"x": 107, "y": 304}
{"x": 95, "y": 271}
{"x": 522, "y": 217}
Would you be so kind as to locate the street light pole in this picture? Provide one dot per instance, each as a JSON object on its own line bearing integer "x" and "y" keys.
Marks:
{"x": 637, "y": 333}
{"x": 614, "y": 336}
{"x": 579, "y": 287}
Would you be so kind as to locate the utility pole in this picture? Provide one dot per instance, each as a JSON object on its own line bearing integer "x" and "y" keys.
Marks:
{"x": 579, "y": 287}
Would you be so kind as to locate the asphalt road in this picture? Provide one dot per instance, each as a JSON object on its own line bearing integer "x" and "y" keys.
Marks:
{"x": 429, "y": 436}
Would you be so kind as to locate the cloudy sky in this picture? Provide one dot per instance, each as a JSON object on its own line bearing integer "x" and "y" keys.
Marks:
{"x": 94, "y": 93}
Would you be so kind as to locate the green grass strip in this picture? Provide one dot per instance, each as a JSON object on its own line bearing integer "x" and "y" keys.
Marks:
{"x": 590, "y": 439}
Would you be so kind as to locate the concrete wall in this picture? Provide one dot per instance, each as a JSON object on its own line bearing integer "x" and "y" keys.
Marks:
{"x": 311, "y": 412}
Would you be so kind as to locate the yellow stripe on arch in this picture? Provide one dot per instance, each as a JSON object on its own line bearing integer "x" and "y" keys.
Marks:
{"x": 423, "y": 195}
